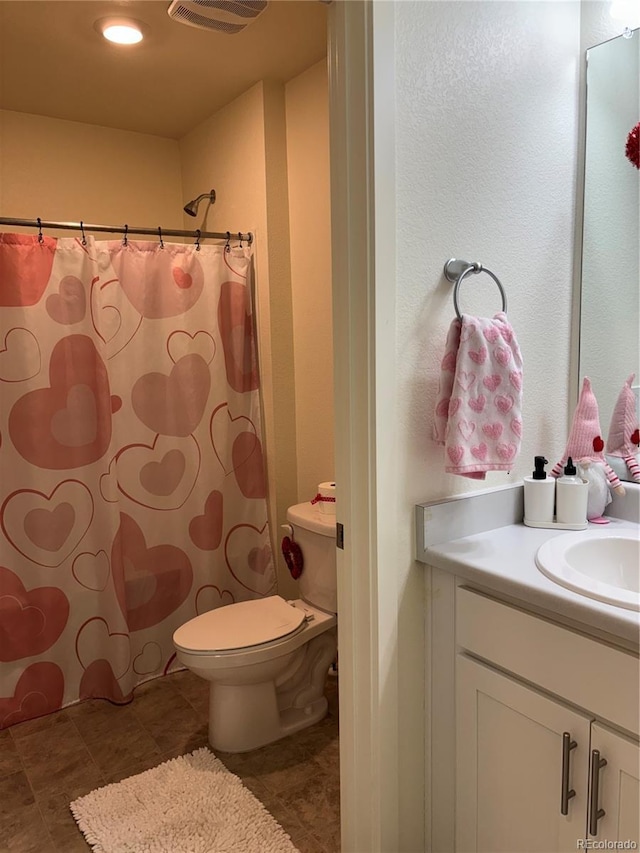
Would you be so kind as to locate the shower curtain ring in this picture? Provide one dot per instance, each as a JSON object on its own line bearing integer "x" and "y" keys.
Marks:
{"x": 125, "y": 239}
{"x": 198, "y": 240}
{"x": 40, "y": 237}
{"x": 84, "y": 237}
{"x": 160, "y": 236}
{"x": 227, "y": 247}
{"x": 240, "y": 238}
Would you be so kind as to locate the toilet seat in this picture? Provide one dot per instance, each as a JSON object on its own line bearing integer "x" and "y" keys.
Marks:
{"x": 241, "y": 626}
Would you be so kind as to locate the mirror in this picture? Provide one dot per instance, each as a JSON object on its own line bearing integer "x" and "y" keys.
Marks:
{"x": 610, "y": 300}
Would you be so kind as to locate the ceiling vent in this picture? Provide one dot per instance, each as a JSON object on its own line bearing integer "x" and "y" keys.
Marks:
{"x": 225, "y": 16}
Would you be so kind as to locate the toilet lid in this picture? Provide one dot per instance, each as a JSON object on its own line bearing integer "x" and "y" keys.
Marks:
{"x": 238, "y": 626}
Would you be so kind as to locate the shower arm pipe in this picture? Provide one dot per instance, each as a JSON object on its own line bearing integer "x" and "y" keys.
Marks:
{"x": 128, "y": 230}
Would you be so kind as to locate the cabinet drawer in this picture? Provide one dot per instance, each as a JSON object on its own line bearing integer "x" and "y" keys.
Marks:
{"x": 582, "y": 671}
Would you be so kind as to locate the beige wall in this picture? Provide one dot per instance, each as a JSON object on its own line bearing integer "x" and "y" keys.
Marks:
{"x": 310, "y": 227}
{"x": 239, "y": 152}
{"x": 281, "y": 328}
{"x": 267, "y": 156}
{"x": 68, "y": 171}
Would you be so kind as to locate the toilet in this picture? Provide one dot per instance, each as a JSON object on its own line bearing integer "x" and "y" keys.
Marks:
{"x": 266, "y": 660}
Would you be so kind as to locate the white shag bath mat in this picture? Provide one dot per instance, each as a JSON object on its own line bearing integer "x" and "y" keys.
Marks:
{"x": 191, "y": 804}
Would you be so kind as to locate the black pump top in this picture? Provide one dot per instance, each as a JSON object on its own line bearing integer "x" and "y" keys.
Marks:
{"x": 570, "y": 468}
{"x": 539, "y": 463}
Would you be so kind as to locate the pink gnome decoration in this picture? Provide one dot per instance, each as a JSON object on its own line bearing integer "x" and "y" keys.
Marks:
{"x": 624, "y": 431}
{"x": 586, "y": 447}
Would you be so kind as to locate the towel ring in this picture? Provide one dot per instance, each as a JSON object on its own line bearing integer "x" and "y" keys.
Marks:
{"x": 457, "y": 271}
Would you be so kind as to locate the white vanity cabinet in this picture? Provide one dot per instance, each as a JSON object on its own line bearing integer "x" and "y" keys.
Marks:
{"x": 525, "y": 759}
{"x": 619, "y": 785}
{"x": 538, "y": 708}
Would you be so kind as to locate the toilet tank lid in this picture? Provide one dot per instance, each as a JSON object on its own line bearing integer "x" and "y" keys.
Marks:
{"x": 308, "y": 515}
{"x": 238, "y": 626}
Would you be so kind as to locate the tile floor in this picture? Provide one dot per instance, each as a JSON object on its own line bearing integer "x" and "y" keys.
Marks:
{"x": 46, "y": 763}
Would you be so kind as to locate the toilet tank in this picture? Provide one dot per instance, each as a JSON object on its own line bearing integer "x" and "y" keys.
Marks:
{"x": 315, "y": 533}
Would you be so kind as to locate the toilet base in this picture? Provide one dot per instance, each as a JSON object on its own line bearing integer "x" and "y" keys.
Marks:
{"x": 291, "y": 721}
{"x": 245, "y": 716}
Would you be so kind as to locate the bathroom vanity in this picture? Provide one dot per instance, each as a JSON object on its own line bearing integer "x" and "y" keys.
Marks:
{"x": 533, "y": 690}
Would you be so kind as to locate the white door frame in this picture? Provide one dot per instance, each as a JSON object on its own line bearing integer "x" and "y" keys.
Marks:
{"x": 361, "y": 39}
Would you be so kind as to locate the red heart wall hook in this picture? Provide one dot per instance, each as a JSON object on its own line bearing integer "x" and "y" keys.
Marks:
{"x": 292, "y": 556}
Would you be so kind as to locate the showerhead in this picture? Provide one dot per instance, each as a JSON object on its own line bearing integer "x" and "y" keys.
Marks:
{"x": 191, "y": 207}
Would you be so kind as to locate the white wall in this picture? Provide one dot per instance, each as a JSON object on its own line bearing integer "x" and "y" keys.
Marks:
{"x": 596, "y": 23}
{"x": 307, "y": 107}
{"x": 486, "y": 161}
{"x": 487, "y": 158}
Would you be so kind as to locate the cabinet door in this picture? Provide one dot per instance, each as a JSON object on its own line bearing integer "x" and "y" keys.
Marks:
{"x": 509, "y": 766}
{"x": 617, "y": 787}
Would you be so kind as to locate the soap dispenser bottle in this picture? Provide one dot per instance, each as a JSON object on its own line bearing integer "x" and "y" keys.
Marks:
{"x": 570, "y": 474}
{"x": 539, "y": 495}
{"x": 572, "y": 493}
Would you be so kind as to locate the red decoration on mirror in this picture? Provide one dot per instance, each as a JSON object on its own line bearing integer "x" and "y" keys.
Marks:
{"x": 632, "y": 149}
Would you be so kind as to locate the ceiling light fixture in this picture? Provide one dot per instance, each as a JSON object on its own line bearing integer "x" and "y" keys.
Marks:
{"x": 120, "y": 30}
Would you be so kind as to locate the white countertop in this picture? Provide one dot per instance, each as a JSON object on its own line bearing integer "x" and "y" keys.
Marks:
{"x": 503, "y": 560}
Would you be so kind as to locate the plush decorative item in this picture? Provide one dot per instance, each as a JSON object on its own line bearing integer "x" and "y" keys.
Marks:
{"x": 624, "y": 431}
{"x": 599, "y": 495}
{"x": 586, "y": 446}
{"x": 632, "y": 148}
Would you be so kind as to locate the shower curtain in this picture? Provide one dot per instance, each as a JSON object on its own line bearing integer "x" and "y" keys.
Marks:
{"x": 132, "y": 476}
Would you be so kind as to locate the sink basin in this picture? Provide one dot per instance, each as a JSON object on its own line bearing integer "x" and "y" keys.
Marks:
{"x": 603, "y": 564}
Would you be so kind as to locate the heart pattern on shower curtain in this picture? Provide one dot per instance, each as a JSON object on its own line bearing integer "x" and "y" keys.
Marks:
{"x": 132, "y": 479}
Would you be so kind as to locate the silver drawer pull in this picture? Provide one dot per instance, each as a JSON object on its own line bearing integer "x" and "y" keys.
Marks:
{"x": 566, "y": 793}
{"x": 595, "y": 813}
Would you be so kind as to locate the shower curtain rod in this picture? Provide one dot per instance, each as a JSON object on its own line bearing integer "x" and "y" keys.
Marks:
{"x": 125, "y": 229}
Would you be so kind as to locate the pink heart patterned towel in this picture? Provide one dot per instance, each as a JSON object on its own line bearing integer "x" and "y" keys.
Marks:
{"x": 478, "y": 415}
